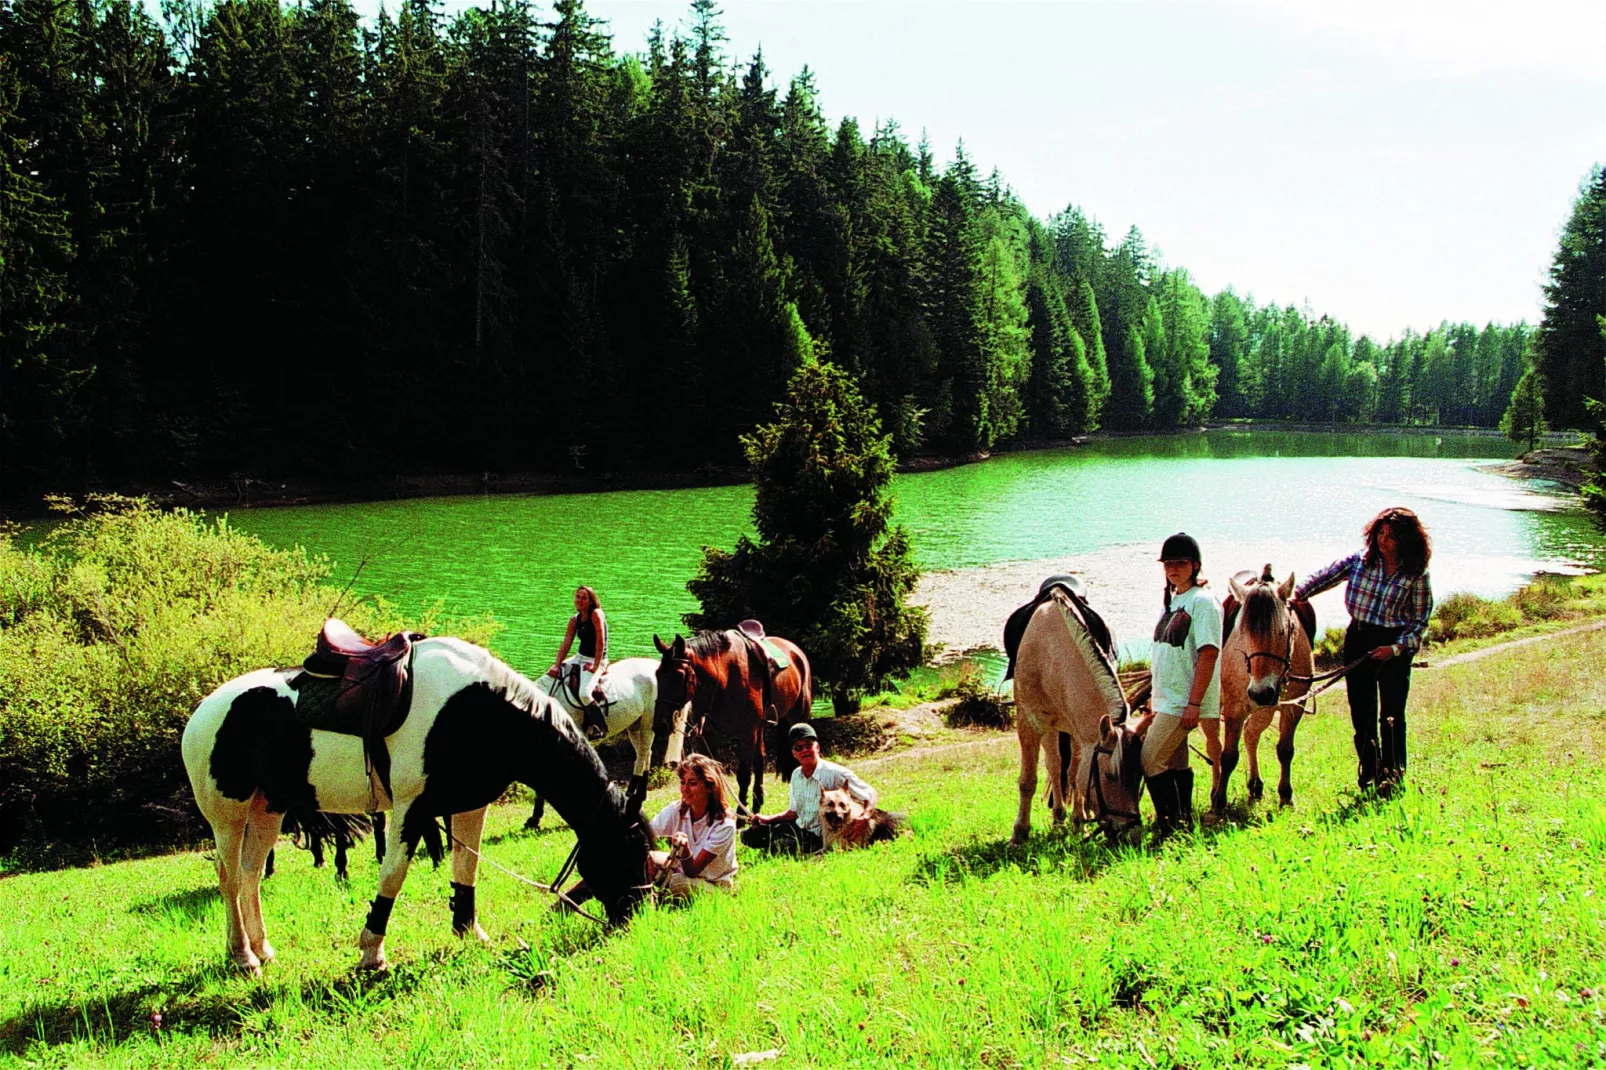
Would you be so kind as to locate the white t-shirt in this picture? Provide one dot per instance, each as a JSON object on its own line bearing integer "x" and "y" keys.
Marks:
{"x": 1172, "y": 666}
{"x": 808, "y": 792}
{"x": 717, "y": 837}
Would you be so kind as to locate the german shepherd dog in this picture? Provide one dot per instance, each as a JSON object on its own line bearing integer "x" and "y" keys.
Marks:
{"x": 838, "y": 812}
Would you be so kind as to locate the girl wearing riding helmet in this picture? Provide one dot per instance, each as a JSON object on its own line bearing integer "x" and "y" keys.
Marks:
{"x": 1186, "y": 685}
{"x": 1389, "y": 598}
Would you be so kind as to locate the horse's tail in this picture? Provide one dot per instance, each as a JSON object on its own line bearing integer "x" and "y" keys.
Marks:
{"x": 315, "y": 828}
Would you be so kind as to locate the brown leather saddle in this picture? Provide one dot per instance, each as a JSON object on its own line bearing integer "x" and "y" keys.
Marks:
{"x": 358, "y": 688}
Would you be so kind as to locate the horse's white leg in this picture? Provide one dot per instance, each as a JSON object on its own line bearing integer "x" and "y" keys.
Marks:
{"x": 1254, "y": 725}
{"x": 1052, "y": 767}
{"x": 1030, "y": 740}
{"x": 392, "y": 875}
{"x": 641, "y": 739}
{"x": 229, "y": 832}
{"x": 261, "y": 833}
{"x": 466, "y": 830}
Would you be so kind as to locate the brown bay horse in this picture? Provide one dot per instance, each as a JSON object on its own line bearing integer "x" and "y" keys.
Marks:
{"x": 1265, "y": 668}
{"x": 729, "y": 684}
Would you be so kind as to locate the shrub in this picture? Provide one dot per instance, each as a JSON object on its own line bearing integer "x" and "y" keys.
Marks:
{"x": 1467, "y": 616}
{"x": 112, "y": 629}
{"x": 979, "y": 706}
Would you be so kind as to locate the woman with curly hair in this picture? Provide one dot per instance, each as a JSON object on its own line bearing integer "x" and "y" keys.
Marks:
{"x": 1389, "y": 598}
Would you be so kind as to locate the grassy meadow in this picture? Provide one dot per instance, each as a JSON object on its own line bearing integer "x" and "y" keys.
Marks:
{"x": 1460, "y": 924}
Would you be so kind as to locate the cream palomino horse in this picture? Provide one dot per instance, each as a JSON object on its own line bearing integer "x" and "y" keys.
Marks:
{"x": 1260, "y": 662}
{"x": 1065, "y": 684}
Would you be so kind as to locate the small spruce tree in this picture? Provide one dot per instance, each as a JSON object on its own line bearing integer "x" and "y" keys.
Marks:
{"x": 1524, "y": 419}
{"x": 828, "y": 570}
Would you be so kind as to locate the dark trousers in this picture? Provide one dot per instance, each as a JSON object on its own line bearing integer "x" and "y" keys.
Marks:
{"x": 782, "y": 837}
{"x": 1377, "y": 693}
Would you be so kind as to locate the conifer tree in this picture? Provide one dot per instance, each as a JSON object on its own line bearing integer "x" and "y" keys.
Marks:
{"x": 1571, "y": 354}
{"x": 1524, "y": 419}
{"x": 828, "y": 569}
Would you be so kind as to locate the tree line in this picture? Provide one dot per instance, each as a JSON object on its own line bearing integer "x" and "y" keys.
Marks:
{"x": 266, "y": 239}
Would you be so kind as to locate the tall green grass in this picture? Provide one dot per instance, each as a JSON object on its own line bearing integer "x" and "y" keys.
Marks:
{"x": 1458, "y": 925}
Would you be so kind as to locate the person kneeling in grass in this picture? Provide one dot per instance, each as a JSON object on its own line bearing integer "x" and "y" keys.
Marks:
{"x": 700, "y": 830}
{"x": 798, "y": 831}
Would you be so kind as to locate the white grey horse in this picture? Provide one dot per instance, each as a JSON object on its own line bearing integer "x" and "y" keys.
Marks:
{"x": 631, "y": 686}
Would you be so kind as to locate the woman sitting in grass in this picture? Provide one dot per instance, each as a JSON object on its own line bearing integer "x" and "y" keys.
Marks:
{"x": 700, "y": 830}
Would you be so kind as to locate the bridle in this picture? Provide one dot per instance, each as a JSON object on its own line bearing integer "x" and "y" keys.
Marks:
{"x": 1130, "y": 818}
{"x": 688, "y": 677}
{"x": 1289, "y": 624}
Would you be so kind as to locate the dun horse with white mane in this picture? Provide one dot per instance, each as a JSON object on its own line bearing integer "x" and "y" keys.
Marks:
{"x": 1265, "y": 667}
{"x": 458, "y": 727}
{"x": 1063, "y": 661}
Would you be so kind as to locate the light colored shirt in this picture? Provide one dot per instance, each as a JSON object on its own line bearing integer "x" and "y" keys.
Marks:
{"x": 717, "y": 837}
{"x": 1402, "y": 600}
{"x": 808, "y": 792}
{"x": 1172, "y": 666}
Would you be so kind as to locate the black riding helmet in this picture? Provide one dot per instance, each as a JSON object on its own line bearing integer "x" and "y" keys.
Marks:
{"x": 1181, "y": 547}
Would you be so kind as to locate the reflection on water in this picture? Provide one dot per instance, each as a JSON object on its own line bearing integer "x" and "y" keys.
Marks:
{"x": 1296, "y": 500}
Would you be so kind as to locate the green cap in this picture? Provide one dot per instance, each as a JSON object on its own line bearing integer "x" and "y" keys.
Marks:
{"x": 801, "y": 731}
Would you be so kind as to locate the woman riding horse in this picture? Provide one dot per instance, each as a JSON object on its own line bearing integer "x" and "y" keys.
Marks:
{"x": 590, "y": 626}
{"x": 1389, "y": 598}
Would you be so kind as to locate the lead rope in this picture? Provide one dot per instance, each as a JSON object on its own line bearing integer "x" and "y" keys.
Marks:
{"x": 554, "y": 889}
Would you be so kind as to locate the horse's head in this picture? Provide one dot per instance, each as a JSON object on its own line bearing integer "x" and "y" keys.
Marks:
{"x": 613, "y": 855}
{"x": 1267, "y": 627}
{"x": 1115, "y": 778}
{"x": 677, "y": 682}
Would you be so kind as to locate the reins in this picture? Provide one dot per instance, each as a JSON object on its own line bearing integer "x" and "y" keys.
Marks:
{"x": 1096, "y": 783}
{"x": 554, "y": 889}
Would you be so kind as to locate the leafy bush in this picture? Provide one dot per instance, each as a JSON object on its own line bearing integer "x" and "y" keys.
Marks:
{"x": 112, "y": 629}
{"x": 979, "y": 706}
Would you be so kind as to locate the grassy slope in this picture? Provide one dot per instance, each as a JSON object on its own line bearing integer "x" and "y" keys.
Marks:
{"x": 1464, "y": 919}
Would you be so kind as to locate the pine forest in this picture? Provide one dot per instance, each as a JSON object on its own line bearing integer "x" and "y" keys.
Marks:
{"x": 251, "y": 237}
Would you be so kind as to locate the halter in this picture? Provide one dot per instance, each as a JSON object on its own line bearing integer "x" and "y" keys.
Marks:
{"x": 1289, "y": 624}
{"x": 1131, "y": 817}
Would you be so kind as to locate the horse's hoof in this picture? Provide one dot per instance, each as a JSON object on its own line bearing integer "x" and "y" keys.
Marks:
{"x": 1019, "y": 838}
{"x": 373, "y": 964}
{"x": 1257, "y": 788}
{"x": 474, "y": 931}
{"x": 265, "y": 953}
{"x": 248, "y": 965}
{"x": 532, "y": 824}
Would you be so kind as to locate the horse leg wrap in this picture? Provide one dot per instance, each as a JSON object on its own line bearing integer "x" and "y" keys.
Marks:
{"x": 379, "y": 914}
{"x": 462, "y": 908}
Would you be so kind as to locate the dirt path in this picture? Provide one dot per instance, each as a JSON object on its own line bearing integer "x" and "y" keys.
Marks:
{"x": 1479, "y": 655}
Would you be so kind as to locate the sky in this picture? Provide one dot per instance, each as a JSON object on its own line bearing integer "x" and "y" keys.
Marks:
{"x": 1392, "y": 164}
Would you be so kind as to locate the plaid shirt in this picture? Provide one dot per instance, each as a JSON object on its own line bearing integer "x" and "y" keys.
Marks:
{"x": 1397, "y": 601}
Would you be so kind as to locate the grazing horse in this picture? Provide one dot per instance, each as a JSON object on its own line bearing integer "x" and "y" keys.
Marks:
{"x": 1065, "y": 683}
{"x": 631, "y": 686}
{"x": 1262, "y": 662}
{"x": 727, "y": 681}
{"x": 472, "y": 726}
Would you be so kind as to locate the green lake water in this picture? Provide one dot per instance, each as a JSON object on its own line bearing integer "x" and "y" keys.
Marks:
{"x": 1295, "y": 499}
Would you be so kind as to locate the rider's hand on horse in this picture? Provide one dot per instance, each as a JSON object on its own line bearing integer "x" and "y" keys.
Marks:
{"x": 1383, "y": 653}
{"x": 592, "y": 667}
{"x": 552, "y": 671}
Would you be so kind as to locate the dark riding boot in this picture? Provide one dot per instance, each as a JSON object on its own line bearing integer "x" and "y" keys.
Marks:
{"x": 596, "y": 725}
{"x": 1366, "y": 755}
{"x": 1162, "y": 789}
{"x": 1183, "y": 781}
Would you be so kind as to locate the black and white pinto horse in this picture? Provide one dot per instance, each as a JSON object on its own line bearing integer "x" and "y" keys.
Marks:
{"x": 474, "y": 726}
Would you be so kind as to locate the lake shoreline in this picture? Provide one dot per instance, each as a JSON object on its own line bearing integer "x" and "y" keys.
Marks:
{"x": 250, "y": 492}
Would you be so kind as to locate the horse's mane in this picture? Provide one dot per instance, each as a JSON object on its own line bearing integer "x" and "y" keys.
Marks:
{"x": 709, "y": 644}
{"x": 1260, "y": 609}
{"x": 1104, "y": 677}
